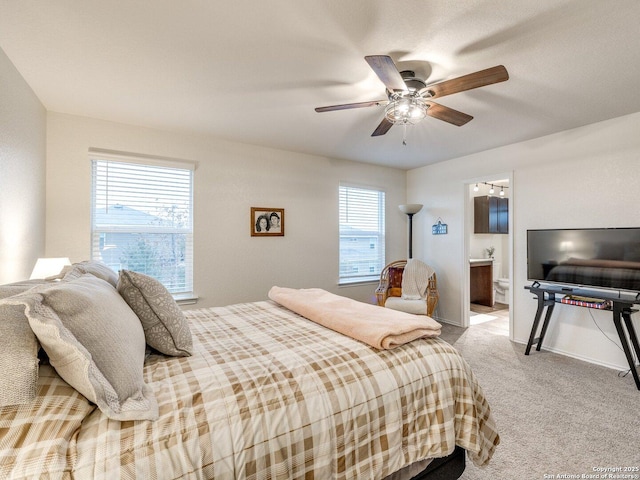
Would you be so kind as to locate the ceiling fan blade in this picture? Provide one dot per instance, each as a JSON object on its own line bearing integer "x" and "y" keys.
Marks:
{"x": 387, "y": 72}
{"x": 468, "y": 82}
{"x": 347, "y": 106}
{"x": 447, "y": 114}
{"x": 383, "y": 128}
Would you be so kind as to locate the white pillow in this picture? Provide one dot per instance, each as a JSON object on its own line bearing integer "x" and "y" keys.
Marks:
{"x": 95, "y": 342}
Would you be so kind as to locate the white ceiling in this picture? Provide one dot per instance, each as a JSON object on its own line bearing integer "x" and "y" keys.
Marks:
{"x": 253, "y": 70}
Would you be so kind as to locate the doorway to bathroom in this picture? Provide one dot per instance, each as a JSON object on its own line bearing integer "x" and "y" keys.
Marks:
{"x": 488, "y": 241}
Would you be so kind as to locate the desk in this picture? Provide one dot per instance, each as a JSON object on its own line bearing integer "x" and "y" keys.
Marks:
{"x": 621, "y": 311}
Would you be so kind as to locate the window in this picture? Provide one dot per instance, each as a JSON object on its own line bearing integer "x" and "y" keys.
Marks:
{"x": 142, "y": 218}
{"x": 362, "y": 255}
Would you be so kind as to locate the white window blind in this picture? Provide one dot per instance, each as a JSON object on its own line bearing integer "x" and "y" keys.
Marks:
{"x": 142, "y": 219}
{"x": 362, "y": 233}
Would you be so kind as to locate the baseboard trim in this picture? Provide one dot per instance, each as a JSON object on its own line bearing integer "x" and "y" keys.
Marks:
{"x": 559, "y": 351}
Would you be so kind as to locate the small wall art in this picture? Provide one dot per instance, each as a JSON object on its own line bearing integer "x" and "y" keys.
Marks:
{"x": 267, "y": 222}
{"x": 439, "y": 228}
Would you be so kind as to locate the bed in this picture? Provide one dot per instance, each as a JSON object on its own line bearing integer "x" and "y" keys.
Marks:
{"x": 263, "y": 393}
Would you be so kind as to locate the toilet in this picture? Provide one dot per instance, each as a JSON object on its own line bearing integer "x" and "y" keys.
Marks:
{"x": 500, "y": 285}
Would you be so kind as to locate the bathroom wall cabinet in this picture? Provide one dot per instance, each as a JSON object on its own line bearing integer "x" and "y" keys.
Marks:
{"x": 490, "y": 214}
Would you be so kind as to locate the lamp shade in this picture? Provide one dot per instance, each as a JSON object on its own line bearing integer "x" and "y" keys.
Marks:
{"x": 410, "y": 208}
{"x": 48, "y": 267}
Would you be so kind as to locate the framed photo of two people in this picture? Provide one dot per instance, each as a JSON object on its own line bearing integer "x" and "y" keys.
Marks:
{"x": 267, "y": 222}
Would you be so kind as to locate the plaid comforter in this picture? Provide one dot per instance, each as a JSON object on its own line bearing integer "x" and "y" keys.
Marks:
{"x": 267, "y": 394}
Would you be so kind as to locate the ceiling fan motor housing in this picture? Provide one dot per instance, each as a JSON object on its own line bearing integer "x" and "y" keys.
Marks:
{"x": 413, "y": 84}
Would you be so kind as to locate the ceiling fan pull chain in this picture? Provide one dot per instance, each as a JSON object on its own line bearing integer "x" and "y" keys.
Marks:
{"x": 404, "y": 135}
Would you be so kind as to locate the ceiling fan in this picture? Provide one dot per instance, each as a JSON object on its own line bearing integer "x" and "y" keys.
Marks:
{"x": 409, "y": 99}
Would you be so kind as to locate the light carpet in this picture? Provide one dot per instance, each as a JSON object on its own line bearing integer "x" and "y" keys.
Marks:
{"x": 558, "y": 417}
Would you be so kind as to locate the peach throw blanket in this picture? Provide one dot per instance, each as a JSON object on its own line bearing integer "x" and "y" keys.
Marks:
{"x": 379, "y": 327}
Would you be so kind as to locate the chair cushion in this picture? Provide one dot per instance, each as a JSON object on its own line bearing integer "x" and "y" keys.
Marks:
{"x": 395, "y": 277}
{"x": 417, "y": 307}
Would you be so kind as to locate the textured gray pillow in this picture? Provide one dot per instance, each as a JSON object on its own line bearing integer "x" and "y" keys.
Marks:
{"x": 11, "y": 289}
{"x": 19, "y": 351}
{"x": 95, "y": 343}
{"x": 165, "y": 327}
{"x": 18, "y": 357}
{"x": 95, "y": 268}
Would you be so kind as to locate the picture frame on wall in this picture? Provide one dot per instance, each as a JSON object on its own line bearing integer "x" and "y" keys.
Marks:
{"x": 267, "y": 222}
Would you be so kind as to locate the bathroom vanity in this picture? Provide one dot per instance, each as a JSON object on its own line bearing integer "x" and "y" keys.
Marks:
{"x": 481, "y": 281}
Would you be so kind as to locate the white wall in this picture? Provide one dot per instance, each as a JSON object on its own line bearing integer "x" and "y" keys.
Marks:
{"x": 22, "y": 178}
{"x": 586, "y": 177}
{"x": 230, "y": 265}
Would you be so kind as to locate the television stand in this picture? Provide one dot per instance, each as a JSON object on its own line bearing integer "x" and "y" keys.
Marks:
{"x": 621, "y": 311}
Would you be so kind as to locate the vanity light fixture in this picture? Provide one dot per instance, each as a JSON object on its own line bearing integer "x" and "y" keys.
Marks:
{"x": 492, "y": 188}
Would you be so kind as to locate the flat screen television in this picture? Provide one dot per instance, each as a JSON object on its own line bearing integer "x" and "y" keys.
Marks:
{"x": 596, "y": 258}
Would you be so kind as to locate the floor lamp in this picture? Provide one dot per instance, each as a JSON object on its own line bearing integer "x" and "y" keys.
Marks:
{"x": 410, "y": 209}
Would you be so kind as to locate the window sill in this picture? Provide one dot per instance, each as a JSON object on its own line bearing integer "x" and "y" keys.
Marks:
{"x": 186, "y": 298}
{"x": 355, "y": 283}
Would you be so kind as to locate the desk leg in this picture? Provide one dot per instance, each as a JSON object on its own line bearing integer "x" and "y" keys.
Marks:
{"x": 546, "y": 322}
{"x": 619, "y": 312}
{"x": 536, "y": 320}
{"x": 626, "y": 315}
{"x": 534, "y": 328}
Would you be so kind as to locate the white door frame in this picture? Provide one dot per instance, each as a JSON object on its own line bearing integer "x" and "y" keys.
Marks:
{"x": 468, "y": 231}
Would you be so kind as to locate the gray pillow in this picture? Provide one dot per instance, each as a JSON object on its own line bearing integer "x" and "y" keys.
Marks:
{"x": 165, "y": 327}
{"x": 19, "y": 351}
{"x": 11, "y": 289}
{"x": 18, "y": 357}
{"x": 95, "y": 343}
{"x": 95, "y": 268}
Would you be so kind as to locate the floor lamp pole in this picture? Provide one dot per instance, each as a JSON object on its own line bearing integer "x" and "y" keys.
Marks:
{"x": 410, "y": 210}
{"x": 410, "y": 234}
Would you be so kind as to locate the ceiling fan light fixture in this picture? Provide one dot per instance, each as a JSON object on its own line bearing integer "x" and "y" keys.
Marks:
{"x": 409, "y": 97}
{"x": 406, "y": 110}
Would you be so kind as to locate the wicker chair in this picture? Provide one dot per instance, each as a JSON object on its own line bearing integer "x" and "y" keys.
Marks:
{"x": 390, "y": 287}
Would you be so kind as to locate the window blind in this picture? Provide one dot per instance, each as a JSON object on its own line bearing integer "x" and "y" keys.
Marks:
{"x": 362, "y": 234}
{"x": 142, "y": 219}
